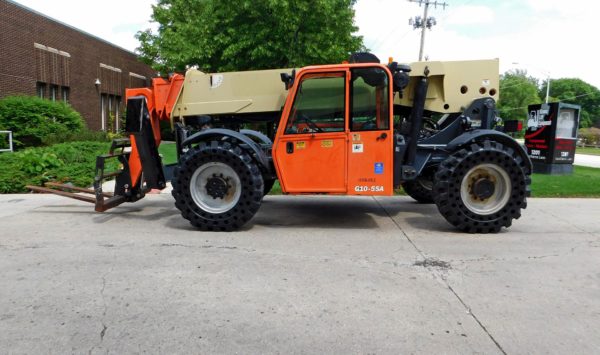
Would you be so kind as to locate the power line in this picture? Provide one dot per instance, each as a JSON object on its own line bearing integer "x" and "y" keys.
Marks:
{"x": 425, "y": 21}
{"x": 566, "y": 98}
{"x": 389, "y": 35}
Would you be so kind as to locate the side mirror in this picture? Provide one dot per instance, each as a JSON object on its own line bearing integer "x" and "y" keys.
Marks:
{"x": 400, "y": 76}
{"x": 401, "y": 80}
{"x": 288, "y": 80}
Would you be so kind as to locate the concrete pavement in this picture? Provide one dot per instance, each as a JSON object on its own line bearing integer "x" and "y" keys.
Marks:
{"x": 307, "y": 275}
{"x": 592, "y": 161}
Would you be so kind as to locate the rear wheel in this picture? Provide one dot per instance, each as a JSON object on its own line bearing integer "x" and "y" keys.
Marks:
{"x": 421, "y": 189}
{"x": 481, "y": 188}
{"x": 217, "y": 186}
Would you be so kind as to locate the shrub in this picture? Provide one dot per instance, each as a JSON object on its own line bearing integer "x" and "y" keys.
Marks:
{"x": 84, "y": 135}
{"x": 590, "y": 136}
{"x": 36, "y": 121}
{"x": 73, "y": 162}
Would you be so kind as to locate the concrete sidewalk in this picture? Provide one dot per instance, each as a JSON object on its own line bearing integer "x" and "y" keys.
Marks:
{"x": 592, "y": 161}
{"x": 307, "y": 275}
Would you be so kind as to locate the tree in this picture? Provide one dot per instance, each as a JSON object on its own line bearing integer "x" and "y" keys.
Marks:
{"x": 218, "y": 36}
{"x": 578, "y": 92}
{"x": 517, "y": 91}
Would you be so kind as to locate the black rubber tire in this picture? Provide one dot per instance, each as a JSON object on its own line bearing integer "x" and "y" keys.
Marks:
{"x": 268, "y": 185}
{"x": 448, "y": 179}
{"x": 418, "y": 189}
{"x": 251, "y": 186}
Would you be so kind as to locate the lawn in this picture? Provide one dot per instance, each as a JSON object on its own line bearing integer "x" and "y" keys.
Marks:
{"x": 584, "y": 182}
{"x": 588, "y": 150}
{"x": 168, "y": 151}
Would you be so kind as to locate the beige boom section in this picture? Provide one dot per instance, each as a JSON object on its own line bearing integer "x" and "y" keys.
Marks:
{"x": 230, "y": 93}
{"x": 453, "y": 85}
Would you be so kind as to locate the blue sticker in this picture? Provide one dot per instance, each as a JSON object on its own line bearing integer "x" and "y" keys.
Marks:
{"x": 379, "y": 168}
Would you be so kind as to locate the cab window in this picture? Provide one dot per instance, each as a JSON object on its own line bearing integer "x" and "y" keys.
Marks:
{"x": 319, "y": 105}
{"x": 369, "y": 100}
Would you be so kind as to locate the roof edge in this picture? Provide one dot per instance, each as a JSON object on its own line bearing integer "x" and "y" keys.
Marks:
{"x": 69, "y": 26}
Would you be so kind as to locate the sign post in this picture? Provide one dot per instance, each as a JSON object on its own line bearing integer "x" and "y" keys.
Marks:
{"x": 551, "y": 137}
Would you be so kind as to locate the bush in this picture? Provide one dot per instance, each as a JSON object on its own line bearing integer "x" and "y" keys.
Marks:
{"x": 85, "y": 135}
{"x": 36, "y": 122}
{"x": 590, "y": 136}
{"x": 73, "y": 162}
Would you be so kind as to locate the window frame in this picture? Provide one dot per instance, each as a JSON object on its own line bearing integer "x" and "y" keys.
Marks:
{"x": 65, "y": 93}
{"x": 53, "y": 92}
{"x": 330, "y": 74}
{"x": 385, "y": 95}
{"x": 40, "y": 88}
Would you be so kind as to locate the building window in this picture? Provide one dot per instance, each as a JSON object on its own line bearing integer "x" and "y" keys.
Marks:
{"x": 53, "y": 92}
{"x": 40, "y": 90}
{"x": 109, "y": 112}
{"x": 64, "y": 94}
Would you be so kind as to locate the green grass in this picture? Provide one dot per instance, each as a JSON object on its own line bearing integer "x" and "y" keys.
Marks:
{"x": 168, "y": 150}
{"x": 588, "y": 150}
{"x": 584, "y": 182}
{"x": 276, "y": 190}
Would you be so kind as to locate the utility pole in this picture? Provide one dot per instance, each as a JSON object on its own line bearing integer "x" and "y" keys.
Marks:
{"x": 424, "y": 22}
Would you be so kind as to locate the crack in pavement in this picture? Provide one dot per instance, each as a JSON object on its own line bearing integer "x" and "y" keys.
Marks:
{"x": 105, "y": 306}
{"x": 463, "y": 303}
{"x": 104, "y": 327}
{"x": 203, "y": 247}
{"x": 572, "y": 224}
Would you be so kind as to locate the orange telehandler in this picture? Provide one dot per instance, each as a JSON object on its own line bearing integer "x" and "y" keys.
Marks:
{"x": 357, "y": 128}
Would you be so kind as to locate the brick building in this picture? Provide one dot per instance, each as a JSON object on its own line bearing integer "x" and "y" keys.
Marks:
{"x": 41, "y": 56}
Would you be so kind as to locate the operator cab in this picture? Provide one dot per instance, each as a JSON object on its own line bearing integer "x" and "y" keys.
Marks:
{"x": 335, "y": 135}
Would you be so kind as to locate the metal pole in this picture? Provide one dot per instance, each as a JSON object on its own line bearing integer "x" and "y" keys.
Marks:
{"x": 423, "y": 27}
{"x": 547, "y": 88}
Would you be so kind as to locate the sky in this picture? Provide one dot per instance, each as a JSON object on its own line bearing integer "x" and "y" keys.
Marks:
{"x": 547, "y": 38}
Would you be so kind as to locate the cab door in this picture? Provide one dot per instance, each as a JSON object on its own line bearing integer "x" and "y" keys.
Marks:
{"x": 370, "y": 151}
{"x": 310, "y": 151}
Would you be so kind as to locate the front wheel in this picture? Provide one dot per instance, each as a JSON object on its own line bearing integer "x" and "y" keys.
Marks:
{"x": 217, "y": 187}
{"x": 268, "y": 185}
{"x": 481, "y": 188}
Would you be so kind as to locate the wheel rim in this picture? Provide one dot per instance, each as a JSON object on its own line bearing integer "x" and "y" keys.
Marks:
{"x": 485, "y": 189}
{"x": 215, "y": 187}
{"x": 426, "y": 184}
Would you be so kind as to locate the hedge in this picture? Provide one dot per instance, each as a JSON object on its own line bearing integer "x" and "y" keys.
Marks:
{"x": 37, "y": 122}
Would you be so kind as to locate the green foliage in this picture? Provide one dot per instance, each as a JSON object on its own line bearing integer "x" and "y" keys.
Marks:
{"x": 72, "y": 162}
{"x": 166, "y": 133}
{"x": 578, "y": 92}
{"x": 221, "y": 36}
{"x": 84, "y": 135}
{"x": 35, "y": 121}
{"x": 37, "y": 162}
{"x": 517, "y": 91}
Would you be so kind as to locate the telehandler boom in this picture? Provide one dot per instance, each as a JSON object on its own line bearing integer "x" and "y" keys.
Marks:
{"x": 358, "y": 128}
